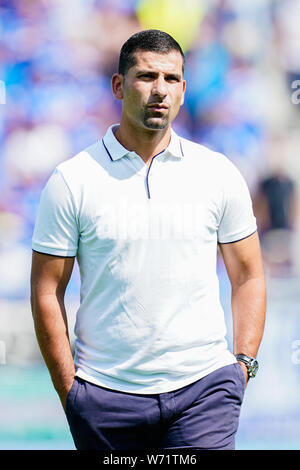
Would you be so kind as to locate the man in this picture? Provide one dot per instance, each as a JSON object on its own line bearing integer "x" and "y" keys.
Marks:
{"x": 143, "y": 210}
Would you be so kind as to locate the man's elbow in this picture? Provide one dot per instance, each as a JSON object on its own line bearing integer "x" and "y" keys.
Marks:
{"x": 254, "y": 275}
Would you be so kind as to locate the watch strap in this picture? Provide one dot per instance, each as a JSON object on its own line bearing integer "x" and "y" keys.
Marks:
{"x": 250, "y": 362}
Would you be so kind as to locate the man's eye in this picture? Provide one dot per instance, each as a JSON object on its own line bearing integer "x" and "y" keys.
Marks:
{"x": 172, "y": 79}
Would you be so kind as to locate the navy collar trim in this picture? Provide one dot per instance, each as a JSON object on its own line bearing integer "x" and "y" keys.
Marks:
{"x": 116, "y": 151}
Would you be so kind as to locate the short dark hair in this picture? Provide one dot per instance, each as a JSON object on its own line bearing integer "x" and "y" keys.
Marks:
{"x": 152, "y": 40}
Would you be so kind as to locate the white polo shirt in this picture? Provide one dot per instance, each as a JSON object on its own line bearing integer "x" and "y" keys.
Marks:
{"x": 150, "y": 318}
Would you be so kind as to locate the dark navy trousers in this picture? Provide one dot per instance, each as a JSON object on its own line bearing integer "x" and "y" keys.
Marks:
{"x": 202, "y": 415}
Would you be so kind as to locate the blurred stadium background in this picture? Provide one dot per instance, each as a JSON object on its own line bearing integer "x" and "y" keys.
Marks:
{"x": 243, "y": 75}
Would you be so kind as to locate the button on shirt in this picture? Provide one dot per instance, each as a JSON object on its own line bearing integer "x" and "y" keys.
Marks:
{"x": 145, "y": 238}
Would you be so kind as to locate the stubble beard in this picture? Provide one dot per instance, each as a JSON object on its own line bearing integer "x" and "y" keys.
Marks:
{"x": 155, "y": 120}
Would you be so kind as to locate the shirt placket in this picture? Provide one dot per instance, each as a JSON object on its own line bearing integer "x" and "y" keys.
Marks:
{"x": 150, "y": 173}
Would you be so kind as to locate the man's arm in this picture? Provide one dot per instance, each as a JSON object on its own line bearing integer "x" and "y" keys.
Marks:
{"x": 245, "y": 271}
{"x": 49, "y": 278}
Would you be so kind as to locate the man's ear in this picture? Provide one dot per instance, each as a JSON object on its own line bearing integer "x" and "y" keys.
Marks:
{"x": 183, "y": 89}
{"x": 117, "y": 85}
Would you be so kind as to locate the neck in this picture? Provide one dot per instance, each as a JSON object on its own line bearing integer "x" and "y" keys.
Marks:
{"x": 144, "y": 142}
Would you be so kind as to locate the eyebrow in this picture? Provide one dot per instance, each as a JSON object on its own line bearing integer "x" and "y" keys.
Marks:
{"x": 152, "y": 72}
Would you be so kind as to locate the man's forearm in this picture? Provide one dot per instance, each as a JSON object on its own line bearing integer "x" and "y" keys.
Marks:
{"x": 248, "y": 309}
{"x": 52, "y": 334}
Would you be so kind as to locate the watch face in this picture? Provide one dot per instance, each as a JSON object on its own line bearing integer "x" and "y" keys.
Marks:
{"x": 253, "y": 368}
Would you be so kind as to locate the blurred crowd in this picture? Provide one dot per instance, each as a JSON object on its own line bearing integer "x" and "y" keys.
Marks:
{"x": 56, "y": 61}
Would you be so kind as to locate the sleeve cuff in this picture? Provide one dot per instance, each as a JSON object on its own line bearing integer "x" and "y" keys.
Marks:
{"x": 238, "y": 237}
{"x": 47, "y": 250}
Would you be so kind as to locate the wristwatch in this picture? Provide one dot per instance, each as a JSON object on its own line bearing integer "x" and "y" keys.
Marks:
{"x": 251, "y": 364}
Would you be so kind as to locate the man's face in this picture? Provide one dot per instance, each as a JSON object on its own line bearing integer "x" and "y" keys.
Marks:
{"x": 153, "y": 89}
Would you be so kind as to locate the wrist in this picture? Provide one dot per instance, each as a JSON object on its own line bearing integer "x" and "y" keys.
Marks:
{"x": 64, "y": 391}
{"x": 250, "y": 363}
{"x": 63, "y": 381}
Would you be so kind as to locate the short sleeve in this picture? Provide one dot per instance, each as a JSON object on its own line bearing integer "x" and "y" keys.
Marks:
{"x": 237, "y": 218}
{"x": 56, "y": 228}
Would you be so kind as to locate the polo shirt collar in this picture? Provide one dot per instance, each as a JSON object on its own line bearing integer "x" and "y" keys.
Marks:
{"x": 116, "y": 150}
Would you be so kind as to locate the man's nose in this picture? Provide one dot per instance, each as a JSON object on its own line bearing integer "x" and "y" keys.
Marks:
{"x": 159, "y": 87}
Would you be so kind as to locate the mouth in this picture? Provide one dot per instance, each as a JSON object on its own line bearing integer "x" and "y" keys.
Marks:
{"x": 157, "y": 106}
